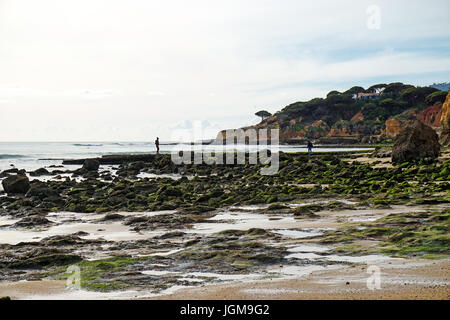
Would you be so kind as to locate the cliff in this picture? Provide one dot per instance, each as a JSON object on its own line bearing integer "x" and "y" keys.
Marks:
{"x": 431, "y": 116}
{"x": 445, "y": 122}
{"x": 354, "y": 117}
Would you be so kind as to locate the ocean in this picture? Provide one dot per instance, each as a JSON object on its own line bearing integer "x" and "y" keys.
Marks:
{"x": 34, "y": 155}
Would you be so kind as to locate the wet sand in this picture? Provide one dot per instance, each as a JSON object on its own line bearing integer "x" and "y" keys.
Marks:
{"x": 406, "y": 280}
{"x": 400, "y": 278}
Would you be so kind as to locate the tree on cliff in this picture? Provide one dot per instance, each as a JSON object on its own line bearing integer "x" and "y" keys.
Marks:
{"x": 355, "y": 90}
{"x": 376, "y": 88}
{"x": 395, "y": 88}
{"x": 416, "y": 96}
{"x": 263, "y": 114}
{"x": 435, "y": 98}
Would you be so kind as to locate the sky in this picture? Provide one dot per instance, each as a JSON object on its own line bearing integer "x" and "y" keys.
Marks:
{"x": 118, "y": 70}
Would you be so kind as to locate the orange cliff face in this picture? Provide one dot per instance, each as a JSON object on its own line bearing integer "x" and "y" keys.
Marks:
{"x": 358, "y": 117}
{"x": 393, "y": 127}
{"x": 431, "y": 116}
{"x": 445, "y": 122}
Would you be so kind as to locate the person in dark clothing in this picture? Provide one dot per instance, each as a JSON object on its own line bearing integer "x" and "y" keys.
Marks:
{"x": 310, "y": 146}
{"x": 157, "y": 144}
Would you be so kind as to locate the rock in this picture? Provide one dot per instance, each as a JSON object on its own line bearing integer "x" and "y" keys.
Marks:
{"x": 445, "y": 122}
{"x": 40, "y": 261}
{"x": 112, "y": 216}
{"x": 40, "y": 172}
{"x": 277, "y": 206}
{"x": 91, "y": 175}
{"x": 304, "y": 212}
{"x": 16, "y": 184}
{"x": 40, "y": 190}
{"x": 91, "y": 165}
{"x": 384, "y": 152}
{"x": 169, "y": 235}
{"x": 417, "y": 141}
{"x": 9, "y": 171}
{"x": 80, "y": 233}
{"x": 32, "y": 221}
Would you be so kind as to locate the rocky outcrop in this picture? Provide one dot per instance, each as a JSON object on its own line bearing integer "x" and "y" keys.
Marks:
{"x": 358, "y": 117}
{"x": 114, "y": 159}
{"x": 416, "y": 142}
{"x": 431, "y": 116}
{"x": 384, "y": 152}
{"x": 41, "y": 191}
{"x": 393, "y": 128}
{"x": 39, "y": 172}
{"x": 445, "y": 122}
{"x": 91, "y": 165}
{"x": 340, "y": 115}
{"x": 17, "y": 184}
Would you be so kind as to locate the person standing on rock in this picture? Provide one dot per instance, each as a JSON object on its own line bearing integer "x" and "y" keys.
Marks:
{"x": 157, "y": 145}
{"x": 310, "y": 146}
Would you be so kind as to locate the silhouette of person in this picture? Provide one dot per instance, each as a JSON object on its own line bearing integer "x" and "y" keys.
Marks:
{"x": 157, "y": 144}
{"x": 310, "y": 146}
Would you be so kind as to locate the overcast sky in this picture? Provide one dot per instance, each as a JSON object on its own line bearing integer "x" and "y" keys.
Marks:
{"x": 121, "y": 70}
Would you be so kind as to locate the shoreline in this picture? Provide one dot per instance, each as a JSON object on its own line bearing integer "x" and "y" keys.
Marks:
{"x": 156, "y": 230}
{"x": 407, "y": 280}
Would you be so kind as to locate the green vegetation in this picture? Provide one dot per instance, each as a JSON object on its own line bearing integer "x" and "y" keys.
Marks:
{"x": 94, "y": 274}
{"x": 436, "y": 98}
{"x": 423, "y": 234}
{"x": 338, "y": 109}
{"x": 263, "y": 114}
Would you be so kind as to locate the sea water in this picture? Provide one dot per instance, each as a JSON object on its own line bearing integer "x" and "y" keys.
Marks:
{"x": 33, "y": 155}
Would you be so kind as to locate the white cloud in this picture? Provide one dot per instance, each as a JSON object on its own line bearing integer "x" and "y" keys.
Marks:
{"x": 156, "y": 93}
{"x": 135, "y": 68}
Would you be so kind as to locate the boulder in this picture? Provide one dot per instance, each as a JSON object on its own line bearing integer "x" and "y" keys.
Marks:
{"x": 91, "y": 165}
{"x": 445, "y": 122}
{"x": 39, "y": 172}
{"x": 41, "y": 190}
{"x": 16, "y": 184}
{"x": 417, "y": 141}
{"x": 384, "y": 152}
{"x": 31, "y": 221}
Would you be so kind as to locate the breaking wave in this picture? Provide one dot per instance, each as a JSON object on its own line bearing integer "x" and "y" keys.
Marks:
{"x": 11, "y": 156}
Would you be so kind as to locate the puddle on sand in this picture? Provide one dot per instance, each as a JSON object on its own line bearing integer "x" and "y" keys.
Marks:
{"x": 307, "y": 248}
{"x": 253, "y": 207}
{"x": 197, "y": 276}
{"x": 366, "y": 215}
{"x": 363, "y": 219}
{"x": 70, "y": 222}
{"x": 268, "y": 292}
{"x": 64, "y": 216}
{"x": 108, "y": 231}
{"x": 173, "y": 176}
{"x": 294, "y": 271}
{"x": 367, "y": 259}
{"x": 299, "y": 234}
{"x": 227, "y": 277}
{"x": 191, "y": 280}
{"x": 69, "y": 294}
{"x": 166, "y": 253}
{"x": 361, "y": 259}
{"x": 307, "y": 255}
{"x": 6, "y": 221}
{"x": 244, "y": 221}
